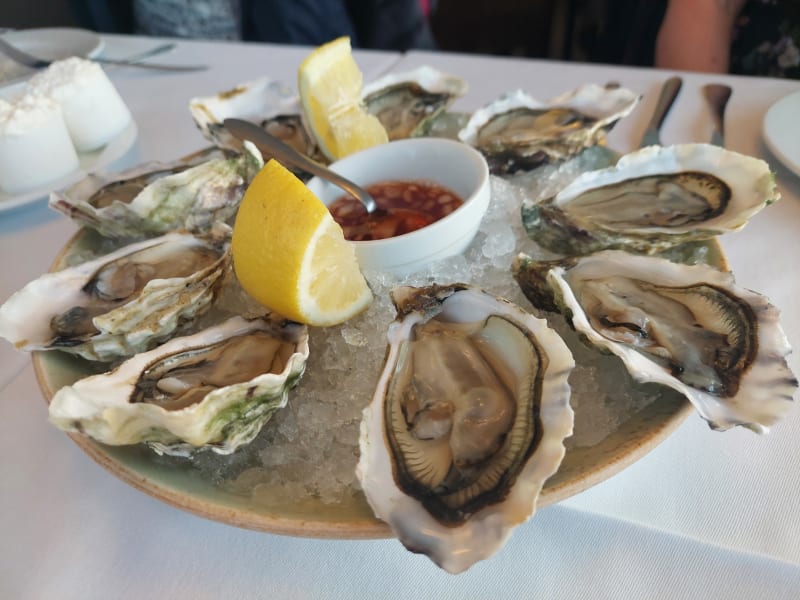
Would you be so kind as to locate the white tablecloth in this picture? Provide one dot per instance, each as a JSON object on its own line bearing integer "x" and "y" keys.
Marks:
{"x": 705, "y": 515}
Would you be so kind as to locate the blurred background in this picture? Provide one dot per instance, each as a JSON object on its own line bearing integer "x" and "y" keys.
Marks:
{"x": 608, "y": 31}
{"x": 19, "y": 14}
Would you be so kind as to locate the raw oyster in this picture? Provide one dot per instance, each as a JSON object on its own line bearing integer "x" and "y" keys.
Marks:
{"x": 405, "y": 103}
{"x": 214, "y": 389}
{"x": 467, "y": 422}
{"x": 121, "y": 303}
{"x": 517, "y": 132}
{"x": 688, "y": 327}
{"x": 100, "y": 190}
{"x": 268, "y": 103}
{"x": 157, "y": 198}
{"x": 653, "y": 199}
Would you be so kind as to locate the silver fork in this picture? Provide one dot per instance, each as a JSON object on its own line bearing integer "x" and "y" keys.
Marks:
{"x": 717, "y": 96}
{"x": 35, "y": 62}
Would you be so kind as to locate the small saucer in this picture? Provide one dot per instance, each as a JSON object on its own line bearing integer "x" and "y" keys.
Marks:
{"x": 89, "y": 163}
{"x": 782, "y": 131}
{"x": 49, "y": 44}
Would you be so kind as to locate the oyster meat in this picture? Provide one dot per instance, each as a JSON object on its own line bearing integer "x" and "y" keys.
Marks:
{"x": 121, "y": 303}
{"x": 467, "y": 422}
{"x": 406, "y": 103}
{"x": 191, "y": 194}
{"x": 214, "y": 389}
{"x": 268, "y": 103}
{"x": 653, "y": 199}
{"x": 687, "y": 327}
{"x": 517, "y": 132}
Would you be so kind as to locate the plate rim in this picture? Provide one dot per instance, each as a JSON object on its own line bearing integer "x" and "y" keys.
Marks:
{"x": 676, "y": 408}
{"x": 111, "y": 152}
{"x": 769, "y": 130}
{"x": 94, "y": 44}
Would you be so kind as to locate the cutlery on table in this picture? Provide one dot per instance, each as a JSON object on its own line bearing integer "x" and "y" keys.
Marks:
{"x": 669, "y": 91}
{"x": 35, "y": 62}
{"x": 717, "y": 96}
{"x": 155, "y": 51}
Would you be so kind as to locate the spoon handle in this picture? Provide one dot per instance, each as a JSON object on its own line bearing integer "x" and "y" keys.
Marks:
{"x": 717, "y": 96}
{"x": 284, "y": 153}
{"x": 669, "y": 92}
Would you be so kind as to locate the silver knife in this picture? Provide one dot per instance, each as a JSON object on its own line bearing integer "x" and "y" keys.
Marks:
{"x": 669, "y": 92}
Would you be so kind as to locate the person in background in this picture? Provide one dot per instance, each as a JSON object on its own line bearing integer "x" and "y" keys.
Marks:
{"x": 746, "y": 37}
{"x": 205, "y": 19}
{"x": 377, "y": 24}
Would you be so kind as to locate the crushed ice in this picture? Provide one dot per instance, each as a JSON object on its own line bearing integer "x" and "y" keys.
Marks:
{"x": 311, "y": 447}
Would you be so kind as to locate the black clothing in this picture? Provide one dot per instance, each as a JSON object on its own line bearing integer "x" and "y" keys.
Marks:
{"x": 378, "y": 24}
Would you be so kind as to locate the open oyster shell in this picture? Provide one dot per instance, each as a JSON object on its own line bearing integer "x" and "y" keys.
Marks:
{"x": 687, "y": 327}
{"x": 121, "y": 303}
{"x": 270, "y": 104}
{"x": 467, "y": 422}
{"x": 405, "y": 103}
{"x": 653, "y": 199}
{"x": 517, "y": 132}
{"x": 214, "y": 389}
{"x": 191, "y": 194}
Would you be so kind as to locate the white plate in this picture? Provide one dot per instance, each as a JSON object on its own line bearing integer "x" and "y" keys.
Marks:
{"x": 89, "y": 163}
{"x": 782, "y": 131}
{"x": 50, "y": 44}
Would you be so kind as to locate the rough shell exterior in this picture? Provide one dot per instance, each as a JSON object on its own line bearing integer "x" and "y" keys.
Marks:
{"x": 764, "y": 384}
{"x": 192, "y": 199}
{"x": 406, "y": 103}
{"x": 551, "y": 224}
{"x": 476, "y": 536}
{"x": 598, "y": 106}
{"x": 228, "y": 417}
{"x": 155, "y": 314}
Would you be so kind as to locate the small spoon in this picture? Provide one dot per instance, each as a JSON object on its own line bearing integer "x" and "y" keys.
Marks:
{"x": 272, "y": 146}
{"x": 666, "y": 98}
{"x": 717, "y": 96}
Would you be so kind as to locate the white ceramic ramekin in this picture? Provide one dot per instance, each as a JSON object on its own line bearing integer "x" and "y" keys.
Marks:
{"x": 446, "y": 162}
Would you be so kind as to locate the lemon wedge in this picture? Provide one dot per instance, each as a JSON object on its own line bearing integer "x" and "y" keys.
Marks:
{"x": 330, "y": 84}
{"x": 291, "y": 256}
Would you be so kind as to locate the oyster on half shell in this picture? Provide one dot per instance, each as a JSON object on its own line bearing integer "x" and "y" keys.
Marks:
{"x": 121, "y": 303}
{"x": 517, "y": 132}
{"x": 214, "y": 389}
{"x": 467, "y": 422}
{"x": 653, "y": 199}
{"x": 270, "y": 104}
{"x": 405, "y": 103}
{"x": 191, "y": 194}
{"x": 687, "y": 327}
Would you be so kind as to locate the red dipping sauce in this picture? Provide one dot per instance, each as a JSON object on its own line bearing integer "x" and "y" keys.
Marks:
{"x": 403, "y": 207}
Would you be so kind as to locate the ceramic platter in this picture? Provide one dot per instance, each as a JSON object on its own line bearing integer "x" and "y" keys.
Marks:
{"x": 186, "y": 487}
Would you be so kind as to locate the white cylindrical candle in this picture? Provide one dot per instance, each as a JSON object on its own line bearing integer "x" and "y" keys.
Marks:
{"x": 35, "y": 146}
{"x": 93, "y": 109}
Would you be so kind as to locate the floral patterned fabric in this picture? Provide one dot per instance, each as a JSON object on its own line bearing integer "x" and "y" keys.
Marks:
{"x": 767, "y": 39}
